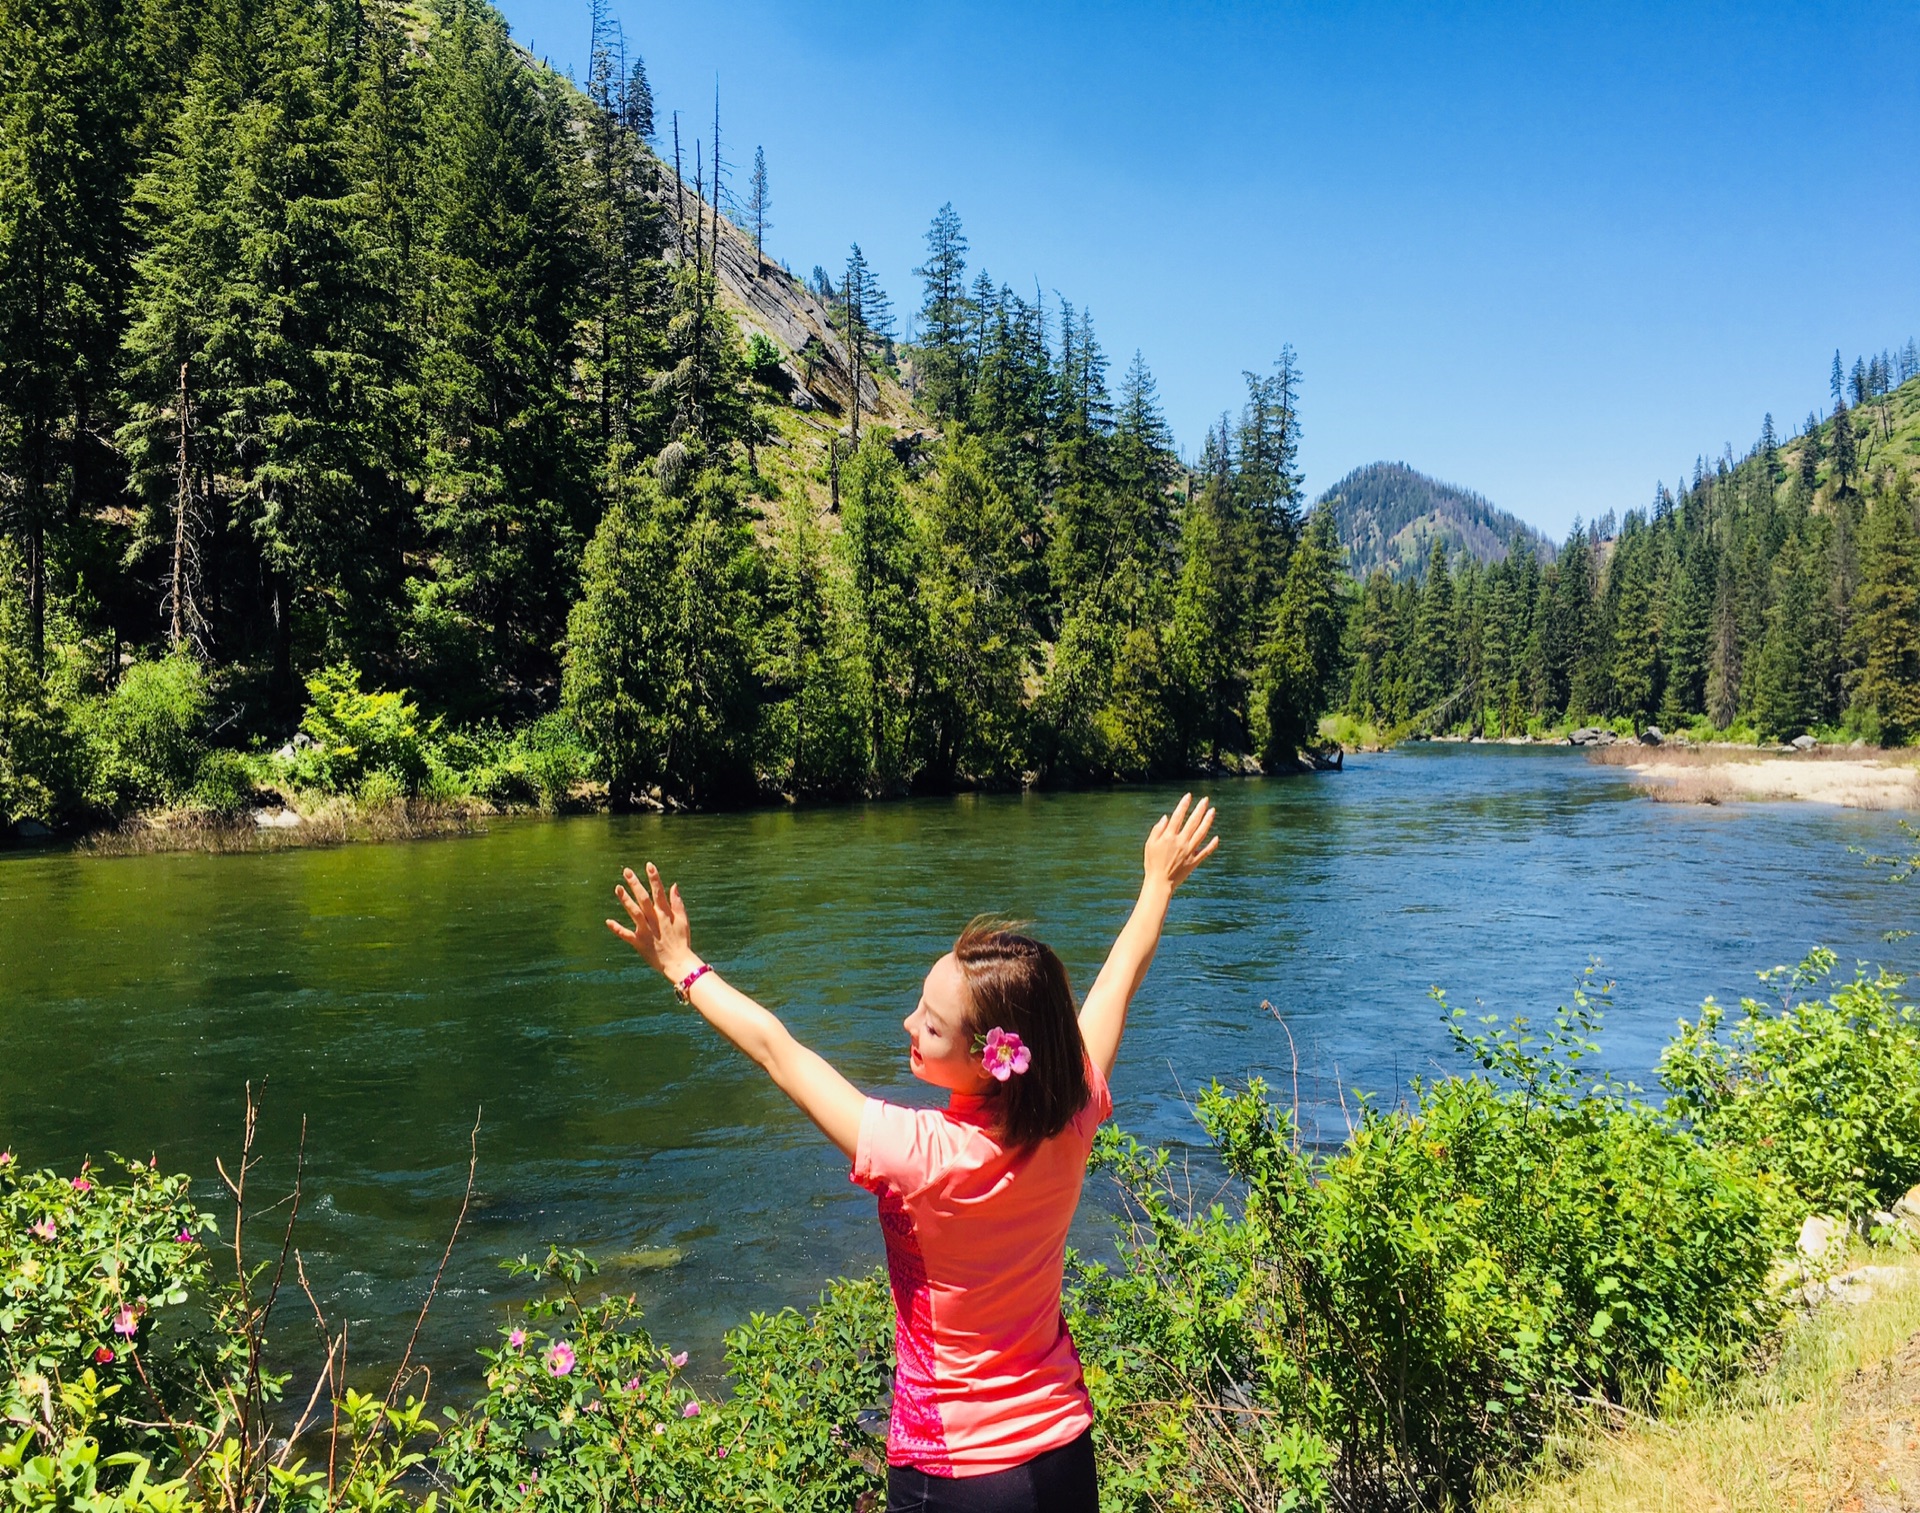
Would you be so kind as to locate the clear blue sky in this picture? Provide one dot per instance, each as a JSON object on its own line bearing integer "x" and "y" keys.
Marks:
{"x": 1550, "y": 253}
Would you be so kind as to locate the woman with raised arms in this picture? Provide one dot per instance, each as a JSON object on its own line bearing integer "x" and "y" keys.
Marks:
{"x": 990, "y": 1412}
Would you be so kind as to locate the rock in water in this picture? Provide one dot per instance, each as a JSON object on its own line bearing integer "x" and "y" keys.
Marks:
{"x": 655, "y": 1258}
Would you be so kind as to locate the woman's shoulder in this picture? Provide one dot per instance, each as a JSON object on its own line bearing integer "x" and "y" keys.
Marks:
{"x": 906, "y": 1148}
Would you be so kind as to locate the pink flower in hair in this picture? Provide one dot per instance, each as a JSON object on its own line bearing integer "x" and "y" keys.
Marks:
{"x": 1004, "y": 1054}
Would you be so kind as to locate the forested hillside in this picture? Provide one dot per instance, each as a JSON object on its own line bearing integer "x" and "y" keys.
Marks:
{"x": 346, "y": 354}
{"x": 1390, "y": 517}
{"x": 1775, "y": 594}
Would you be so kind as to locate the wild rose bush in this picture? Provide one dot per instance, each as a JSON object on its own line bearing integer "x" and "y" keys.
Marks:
{"x": 585, "y": 1409}
{"x": 96, "y": 1268}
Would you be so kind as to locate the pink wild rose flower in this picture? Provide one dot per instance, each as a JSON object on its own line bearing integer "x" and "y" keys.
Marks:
{"x": 46, "y": 1229}
{"x": 560, "y": 1359}
{"x": 517, "y": 1338}
{"x": 125, "y": 1321}
{"x": 1004, "y": 1054}
{"x": 692, "y": 1410}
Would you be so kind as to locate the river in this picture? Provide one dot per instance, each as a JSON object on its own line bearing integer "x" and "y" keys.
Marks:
{"x": 389, "y": 992}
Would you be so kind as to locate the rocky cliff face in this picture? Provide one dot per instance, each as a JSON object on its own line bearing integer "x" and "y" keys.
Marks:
{"x": 763, "y": 297}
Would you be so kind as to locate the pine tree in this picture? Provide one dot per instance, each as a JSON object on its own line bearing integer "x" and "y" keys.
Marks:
{"x": 1886, "y": 624}
{"x": 637, "y": 102}
{"x": 1687, "y": 620}
{"x": 759, "y": 202}
{"x": 508, "y": 500}
{"x": 945, "y": 317}
{"x": 1842, "y": 448}
{"x": 1785, "y": 683}
{"x": 1633, "y": 623}
{"x": 1724, "y": 649}
{"x": 1433, "y": 645}
{"x": 69, "y": 122}
{"x": 877, "y": 545}
{"x": 1300, "y": 658}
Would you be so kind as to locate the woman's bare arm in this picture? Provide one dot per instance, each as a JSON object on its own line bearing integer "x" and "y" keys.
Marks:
{"x": 1175, "y": 846}
{"x": 660, "y": 933}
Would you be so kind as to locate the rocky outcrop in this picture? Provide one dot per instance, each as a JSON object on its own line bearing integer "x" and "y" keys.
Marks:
{"x": 1592, "y": 735}
{"x": 763, "y": 297}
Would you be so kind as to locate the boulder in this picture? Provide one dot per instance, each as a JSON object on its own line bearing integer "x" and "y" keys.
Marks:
{"x": 1592, "y": 735}
{"x": 1821, "y": 1238}
{"x": 1803, "y": 743}
{"x": 1907, "y": 1210}
{"x": 32, "y": 830}
{"x": 1652, "y": 736}
{"x": 275, "y": 819}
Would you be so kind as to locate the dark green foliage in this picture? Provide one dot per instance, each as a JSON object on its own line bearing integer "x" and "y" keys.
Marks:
{"x": 342, "y": 342}
{"x": 1302, "y": 649}
{"x": 1886, "y": 628}
{"x": 657, "y": 666}
{"x": 1775, "y": 596}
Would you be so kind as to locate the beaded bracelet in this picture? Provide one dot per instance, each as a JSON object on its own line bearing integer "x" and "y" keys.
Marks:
{"x": 685, "y": 986}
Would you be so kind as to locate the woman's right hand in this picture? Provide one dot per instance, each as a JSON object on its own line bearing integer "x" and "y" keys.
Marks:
{"x": 660, "y": 932}
{"x": 1178, "y": 842}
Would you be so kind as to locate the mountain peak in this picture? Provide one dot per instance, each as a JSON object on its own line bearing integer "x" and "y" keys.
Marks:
{"x": 1389, "y": 516}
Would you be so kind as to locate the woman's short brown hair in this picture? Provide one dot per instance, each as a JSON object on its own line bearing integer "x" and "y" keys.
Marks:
{"x": 1019, "y": 985}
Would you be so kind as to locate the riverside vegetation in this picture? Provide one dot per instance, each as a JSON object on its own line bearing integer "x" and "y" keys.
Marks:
{"x": 358, "y": 372}
{"x": 1397, "y": 1322}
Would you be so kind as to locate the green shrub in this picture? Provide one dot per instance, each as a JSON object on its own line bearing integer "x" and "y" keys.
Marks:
{"x": 1428, "y": 1297}
{"x": 147, "y": 734}
{"x": 223, "y": 784}
{"x": 584, "y": 1409}
{"x": 356, "y": 734}
{"x": 1823, "y": 1093}
{"x": 763, "y": 357}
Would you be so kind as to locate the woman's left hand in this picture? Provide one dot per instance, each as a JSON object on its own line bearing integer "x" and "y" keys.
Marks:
{"x": 660, "y": 932}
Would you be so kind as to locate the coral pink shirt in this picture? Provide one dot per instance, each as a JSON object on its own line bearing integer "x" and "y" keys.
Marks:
{"x": 986, "y": 1376}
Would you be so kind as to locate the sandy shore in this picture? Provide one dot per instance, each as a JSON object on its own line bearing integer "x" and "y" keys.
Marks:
{"x": 1716, "y": 775}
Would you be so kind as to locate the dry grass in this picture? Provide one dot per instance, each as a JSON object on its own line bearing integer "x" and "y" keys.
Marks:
{"x": 333, "y": 823}
{"x": 1832, "y": 1427}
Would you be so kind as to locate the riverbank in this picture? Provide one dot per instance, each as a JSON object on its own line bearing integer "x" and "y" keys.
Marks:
{"x": 1853, "y": 778}
{"x": 1829, "y": 1425}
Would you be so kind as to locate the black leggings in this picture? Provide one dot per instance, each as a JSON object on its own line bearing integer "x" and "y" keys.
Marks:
{"x": 1055, "y": 1481}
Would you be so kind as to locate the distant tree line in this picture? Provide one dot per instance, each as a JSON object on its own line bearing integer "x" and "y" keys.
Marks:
{"x": 328, "y": 339}
{"x": 1775, "y": 595}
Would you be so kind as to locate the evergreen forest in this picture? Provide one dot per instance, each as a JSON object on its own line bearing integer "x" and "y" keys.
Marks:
{"x": 1778, "y": 594}
{"x": 382, "y": 413}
